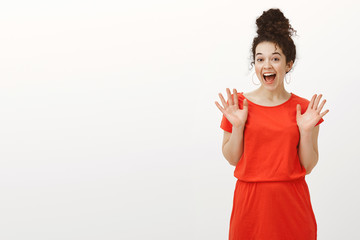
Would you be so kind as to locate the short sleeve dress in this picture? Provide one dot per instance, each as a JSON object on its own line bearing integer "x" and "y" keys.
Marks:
{"x": 271, "y": 198}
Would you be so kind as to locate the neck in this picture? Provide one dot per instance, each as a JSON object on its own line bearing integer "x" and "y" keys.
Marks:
{"x": 273, "y": 95}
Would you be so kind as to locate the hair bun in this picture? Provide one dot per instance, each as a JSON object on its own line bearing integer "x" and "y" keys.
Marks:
{"x": 273, "y": 22}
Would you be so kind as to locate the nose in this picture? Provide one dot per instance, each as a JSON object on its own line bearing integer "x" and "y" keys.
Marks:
{"x": 267, "y": 64}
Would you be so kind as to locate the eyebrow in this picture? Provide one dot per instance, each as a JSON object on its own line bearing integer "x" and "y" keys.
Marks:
{"x": 273, "y": 53}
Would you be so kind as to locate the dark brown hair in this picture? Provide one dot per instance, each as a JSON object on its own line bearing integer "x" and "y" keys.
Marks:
{"x": 274, "y": 27}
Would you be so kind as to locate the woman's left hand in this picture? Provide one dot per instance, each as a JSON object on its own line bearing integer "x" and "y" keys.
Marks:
{"x": 308, "y": 120}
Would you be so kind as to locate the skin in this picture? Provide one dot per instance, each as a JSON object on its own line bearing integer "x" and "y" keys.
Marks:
{"x": 270, "y": 58}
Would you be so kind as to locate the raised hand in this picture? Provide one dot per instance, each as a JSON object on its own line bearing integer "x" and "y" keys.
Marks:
{"x": 236, "y": 116}
{"x": 308, "y": 120}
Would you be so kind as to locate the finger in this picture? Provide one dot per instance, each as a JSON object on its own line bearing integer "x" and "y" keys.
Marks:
{"x": 321, "y": 106}
{"x": 323, "y": 114}
{"x": 236, "y": 99}
{"x": 298, "y": 110}
{"x": 245, "y": 104}
{"x": 317, "y": 102}
{"x": 229, "y": 96}
{"x": 223, "y": 100}
{"x": 310, "y": 106}
{"x": 219, "y": 107}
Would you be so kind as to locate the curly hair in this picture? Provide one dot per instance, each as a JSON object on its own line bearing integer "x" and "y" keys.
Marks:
{"x": 274, "y": 27}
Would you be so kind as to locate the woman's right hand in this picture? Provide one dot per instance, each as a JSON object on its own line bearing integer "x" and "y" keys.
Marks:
{"x": 236, "y": 116}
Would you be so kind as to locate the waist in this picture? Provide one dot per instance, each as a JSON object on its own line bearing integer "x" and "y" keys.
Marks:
{"x": 301, "y": 178}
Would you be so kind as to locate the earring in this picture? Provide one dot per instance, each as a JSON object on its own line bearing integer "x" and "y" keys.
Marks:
{"x": 252, "y": 79}
{"x": 286, "y": 79}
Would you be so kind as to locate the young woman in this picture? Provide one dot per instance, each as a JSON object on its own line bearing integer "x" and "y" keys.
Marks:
{"x": 270, "y": 136}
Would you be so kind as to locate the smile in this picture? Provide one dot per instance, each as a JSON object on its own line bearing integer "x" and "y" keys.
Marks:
{"x": 269, "y": 77}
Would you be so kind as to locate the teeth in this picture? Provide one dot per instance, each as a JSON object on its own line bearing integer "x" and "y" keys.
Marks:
{"x": 269, "y": 74}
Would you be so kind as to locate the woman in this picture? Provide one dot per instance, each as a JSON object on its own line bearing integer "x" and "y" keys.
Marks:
{"x": 271, "y": 135}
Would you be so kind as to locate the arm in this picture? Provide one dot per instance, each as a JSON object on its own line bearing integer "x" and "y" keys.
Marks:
{"x": 309, "y": 132}
{"x": 308, "y": 149}
{"x": 233, "y": 145}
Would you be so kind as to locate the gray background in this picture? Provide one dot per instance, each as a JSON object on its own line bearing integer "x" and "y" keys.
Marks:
{"x": 109, "y": 128}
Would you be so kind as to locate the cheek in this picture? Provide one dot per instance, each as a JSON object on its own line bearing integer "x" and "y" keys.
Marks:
{"x": 281, "y": 69}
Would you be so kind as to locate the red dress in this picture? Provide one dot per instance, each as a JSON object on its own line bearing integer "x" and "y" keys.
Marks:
{"x": 271, "y": 198}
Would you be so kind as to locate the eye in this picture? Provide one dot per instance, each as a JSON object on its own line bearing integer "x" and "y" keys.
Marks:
{"x": 276, "y": 59}
{"x": 259, "y": 59}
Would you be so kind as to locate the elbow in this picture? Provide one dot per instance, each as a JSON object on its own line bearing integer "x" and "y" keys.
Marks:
{"x": 233, "y": 163}
{"x": 310, "y": 168}
{"x": 232, "y": 160}
{"x": 311, "y": 165}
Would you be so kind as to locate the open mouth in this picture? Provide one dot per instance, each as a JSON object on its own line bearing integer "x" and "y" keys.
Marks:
{"x": 269, "y": 77}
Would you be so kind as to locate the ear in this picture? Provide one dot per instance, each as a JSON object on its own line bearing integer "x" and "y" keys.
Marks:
{"x": 289, "y": 65}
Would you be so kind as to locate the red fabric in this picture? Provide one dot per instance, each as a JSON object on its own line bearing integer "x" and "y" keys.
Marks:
{"x": 271, "y": 198}
{"x": 272, "y": 211}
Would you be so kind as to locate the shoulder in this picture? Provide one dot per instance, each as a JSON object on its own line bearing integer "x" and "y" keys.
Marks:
{"x": 251, "y": 94}
{"x": 300, "y": 100}
{"x": 304, "y": 102}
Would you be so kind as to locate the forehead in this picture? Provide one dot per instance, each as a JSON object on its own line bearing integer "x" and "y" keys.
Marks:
{"x": 267, "y": 48}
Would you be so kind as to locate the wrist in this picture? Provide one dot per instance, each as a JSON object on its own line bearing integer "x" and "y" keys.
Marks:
{"x": 305, "y": 132}
{"x": 238, "y": 128}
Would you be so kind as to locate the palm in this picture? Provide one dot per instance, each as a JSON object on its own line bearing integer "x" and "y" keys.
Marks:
{"x": 312, "y": 115}
{"x": 236, "y": 116}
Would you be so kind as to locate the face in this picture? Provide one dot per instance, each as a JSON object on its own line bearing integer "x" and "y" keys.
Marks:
{"x": 269, "y": 61}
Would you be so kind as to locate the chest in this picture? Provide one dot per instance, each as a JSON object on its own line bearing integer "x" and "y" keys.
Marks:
{"x": 271, "y": 125}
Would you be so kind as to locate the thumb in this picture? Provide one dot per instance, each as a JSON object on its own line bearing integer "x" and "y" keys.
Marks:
{"x": 298, "y": 110}
{"x": 245, "y": 103}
